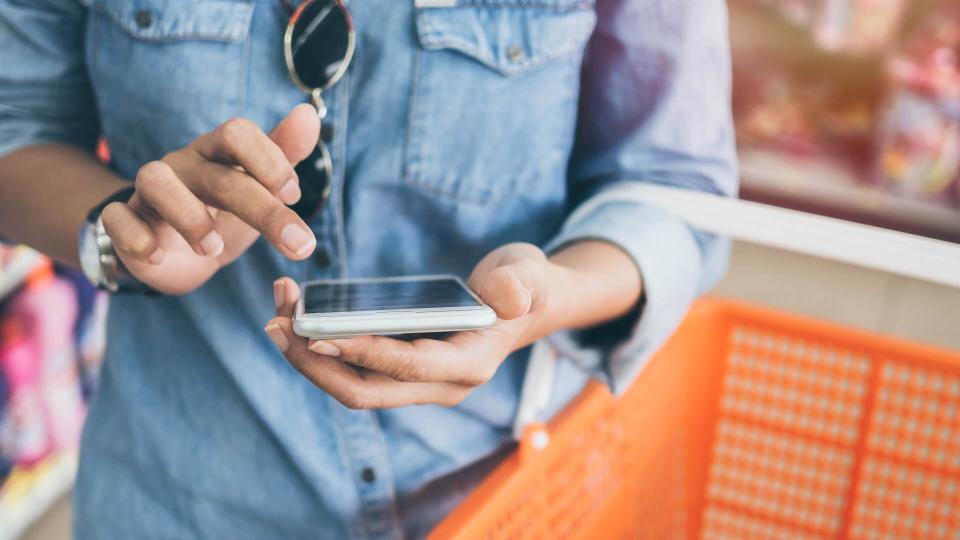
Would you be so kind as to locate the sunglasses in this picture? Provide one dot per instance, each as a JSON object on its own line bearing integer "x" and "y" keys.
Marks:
{"x": 318, "y": 46}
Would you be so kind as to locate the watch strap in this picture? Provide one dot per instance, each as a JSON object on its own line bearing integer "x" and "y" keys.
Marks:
{"x": 123, "y": 196}
{"x": 121, "y": 280}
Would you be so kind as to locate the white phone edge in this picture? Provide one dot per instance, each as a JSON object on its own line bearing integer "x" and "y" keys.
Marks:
{"x": 341, "y": 325}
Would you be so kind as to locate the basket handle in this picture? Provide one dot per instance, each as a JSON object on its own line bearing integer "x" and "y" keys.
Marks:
{"x": 537, "y": 384}
{"x": 881, "y": 249}
{"x": 829, "y": 238}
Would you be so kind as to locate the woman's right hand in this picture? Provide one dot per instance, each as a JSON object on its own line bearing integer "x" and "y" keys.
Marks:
{"x": 200, "y": 207}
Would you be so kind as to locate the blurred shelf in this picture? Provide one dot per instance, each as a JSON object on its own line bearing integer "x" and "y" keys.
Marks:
{"x": 826, "y": 188}
{"x": 28, "y": 494}
{"x": 15, "y": 271}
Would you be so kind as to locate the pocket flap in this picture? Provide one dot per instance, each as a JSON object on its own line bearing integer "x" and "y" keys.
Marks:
{"x": 168, "y": 20}
{"x": 510, "y": 38}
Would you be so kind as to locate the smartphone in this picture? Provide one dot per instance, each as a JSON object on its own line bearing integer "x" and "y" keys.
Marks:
{"x": 388, "y": 306}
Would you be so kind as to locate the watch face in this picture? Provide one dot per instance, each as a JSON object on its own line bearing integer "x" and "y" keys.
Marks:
{"x": 90, "y": 254}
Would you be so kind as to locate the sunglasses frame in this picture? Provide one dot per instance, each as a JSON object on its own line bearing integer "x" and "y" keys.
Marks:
{"x": 316, "y": 93}
{"x": 347, "y": 57}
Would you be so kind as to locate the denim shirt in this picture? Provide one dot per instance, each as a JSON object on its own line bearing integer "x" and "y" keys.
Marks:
{"x": 460, "y": 126}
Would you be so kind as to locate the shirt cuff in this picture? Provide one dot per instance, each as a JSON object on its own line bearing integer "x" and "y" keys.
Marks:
{"x": 17, "y": 133}
{"x": 667, "y": 253}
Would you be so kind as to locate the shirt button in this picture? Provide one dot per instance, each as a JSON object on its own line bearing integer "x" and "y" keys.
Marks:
{"x": 326, "y": 132}
{"x": 321, "y": 257}
{"x": 515, "y": 53}
{"x": 369, "y": 475}
{"x": 144, "y": 18}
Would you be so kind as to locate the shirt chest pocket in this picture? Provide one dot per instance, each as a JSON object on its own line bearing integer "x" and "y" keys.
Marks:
{"x": 494, "y": 102}
{"x": 165, "y": 71}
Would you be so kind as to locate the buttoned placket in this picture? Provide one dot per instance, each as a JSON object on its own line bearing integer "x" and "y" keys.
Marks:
{"x": 371, "y": 472}
{"x": 359, "y": 430}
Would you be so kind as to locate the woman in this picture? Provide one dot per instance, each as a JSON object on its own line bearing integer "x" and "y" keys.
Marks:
{"x": 463, "y": 135}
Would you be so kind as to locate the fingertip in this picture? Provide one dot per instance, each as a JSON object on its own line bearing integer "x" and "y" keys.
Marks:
{"x": 526, "y": 301}
{"x": 278, "y": 292}
{"x": 285, "y": 297}
{"x": 297, "y": 134}
{"x": 517, "y": 307}
{"x": 290, "y": 192}
{"x": 325, "y": 348}
{"x": 304, "y": 108}
{"x": 111, "y": 211}
{"x": 281, "y": 322}
{"x": 130, "y": 234}
{"x": 277, "y": 334}
{"x": 300, "y": 241}
{"x": 286, "y": 292}
{"x": 212, "y": 244}
{"x": 157, "y": 257}
{"x": 505, "y": 293}
{"x": 291, "y": 290}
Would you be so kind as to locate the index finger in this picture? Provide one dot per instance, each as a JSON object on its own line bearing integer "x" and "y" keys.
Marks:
{"x": 236, "y": 192}
{"x": 241, "y": 142}
{"x": 354, "y": 388}
{"x": 421, "y": 360}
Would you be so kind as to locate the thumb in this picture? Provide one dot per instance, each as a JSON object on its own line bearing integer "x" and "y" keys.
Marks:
{"x": 297, "y": 133}
{"x": 512, "y": 284}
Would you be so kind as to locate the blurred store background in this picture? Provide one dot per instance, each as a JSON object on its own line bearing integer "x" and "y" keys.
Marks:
{"x": 851, "y": 108}
{"x": 51, "y": 345}
{"x": 847, "y": 108}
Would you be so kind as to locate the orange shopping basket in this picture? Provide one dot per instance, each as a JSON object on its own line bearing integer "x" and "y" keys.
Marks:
{"x": 748, "y": 423}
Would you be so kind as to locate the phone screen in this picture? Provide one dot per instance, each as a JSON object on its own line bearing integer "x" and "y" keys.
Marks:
{"x": 349, "y": 296}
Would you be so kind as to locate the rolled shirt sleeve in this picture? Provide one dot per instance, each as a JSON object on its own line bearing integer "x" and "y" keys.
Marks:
{"x": 655, "y": 107}
{"x": 45, "y": 92}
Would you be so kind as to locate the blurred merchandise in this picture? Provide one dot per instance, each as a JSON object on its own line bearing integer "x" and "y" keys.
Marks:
{"x": 24, "y": 437}
{"x": 51, "y": 332}
{"x": 16, "y": 263}
{"x": 775, "y": 114}
{"x": 90, "y": 329}
{"x": 6, "y": 460}
{"x": 857, "y": 25}
{"x": 866, "y": 90}
{"x": 92, "y": 343}
{"x": 799, "y": 12}
{"x": 48, "y": 308}
{"x": 850, "y": 26}
{"x": 919, "y": 148}
{"x": 956, "y": 191}
{"x": 29, "y": 492}
{"x": 803, "y": 116}
{"x": 919, "y": 138}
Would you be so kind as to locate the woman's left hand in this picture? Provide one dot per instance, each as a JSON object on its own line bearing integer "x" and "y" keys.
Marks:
{"x": 379, "y": 372}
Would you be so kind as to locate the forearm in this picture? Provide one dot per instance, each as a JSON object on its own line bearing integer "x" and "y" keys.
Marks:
{"x": 590, "y": 282}
{"x": 46, "y": 191}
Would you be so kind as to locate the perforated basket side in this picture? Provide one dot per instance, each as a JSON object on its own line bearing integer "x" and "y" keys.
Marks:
{"x": 749, "y": 423}
{"x": 613, "y": 468}
{"x": 828, "y": 432}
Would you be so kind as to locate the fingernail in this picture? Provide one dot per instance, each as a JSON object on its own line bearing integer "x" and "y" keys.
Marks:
{"x": 325, "y": 348}
{"x": 298, "y": 240}
{"x": 278, "y": 337}
{"x": 157, "y": 256}
{"x": 278, "y": 292}
{"x": 528, "y": 300}
{"x": 212, "y": 244}
{"x": 290, "y": 192}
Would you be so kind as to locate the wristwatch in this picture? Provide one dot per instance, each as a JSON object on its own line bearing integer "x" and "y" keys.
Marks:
{"x": 99, "y": 260}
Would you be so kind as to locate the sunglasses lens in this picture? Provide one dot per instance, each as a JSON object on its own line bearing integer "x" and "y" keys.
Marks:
{"x": 320, "y": 42}
{"x": 315, "y": 174}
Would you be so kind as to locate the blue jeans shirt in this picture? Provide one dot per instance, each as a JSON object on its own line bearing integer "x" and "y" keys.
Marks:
{"x": 456, "y": 130}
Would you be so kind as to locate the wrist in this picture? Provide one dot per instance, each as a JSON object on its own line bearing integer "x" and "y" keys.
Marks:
{"x": 591, "y": 282}
{"x": 552, "y": 309}
{"x": 99, "y": 259}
